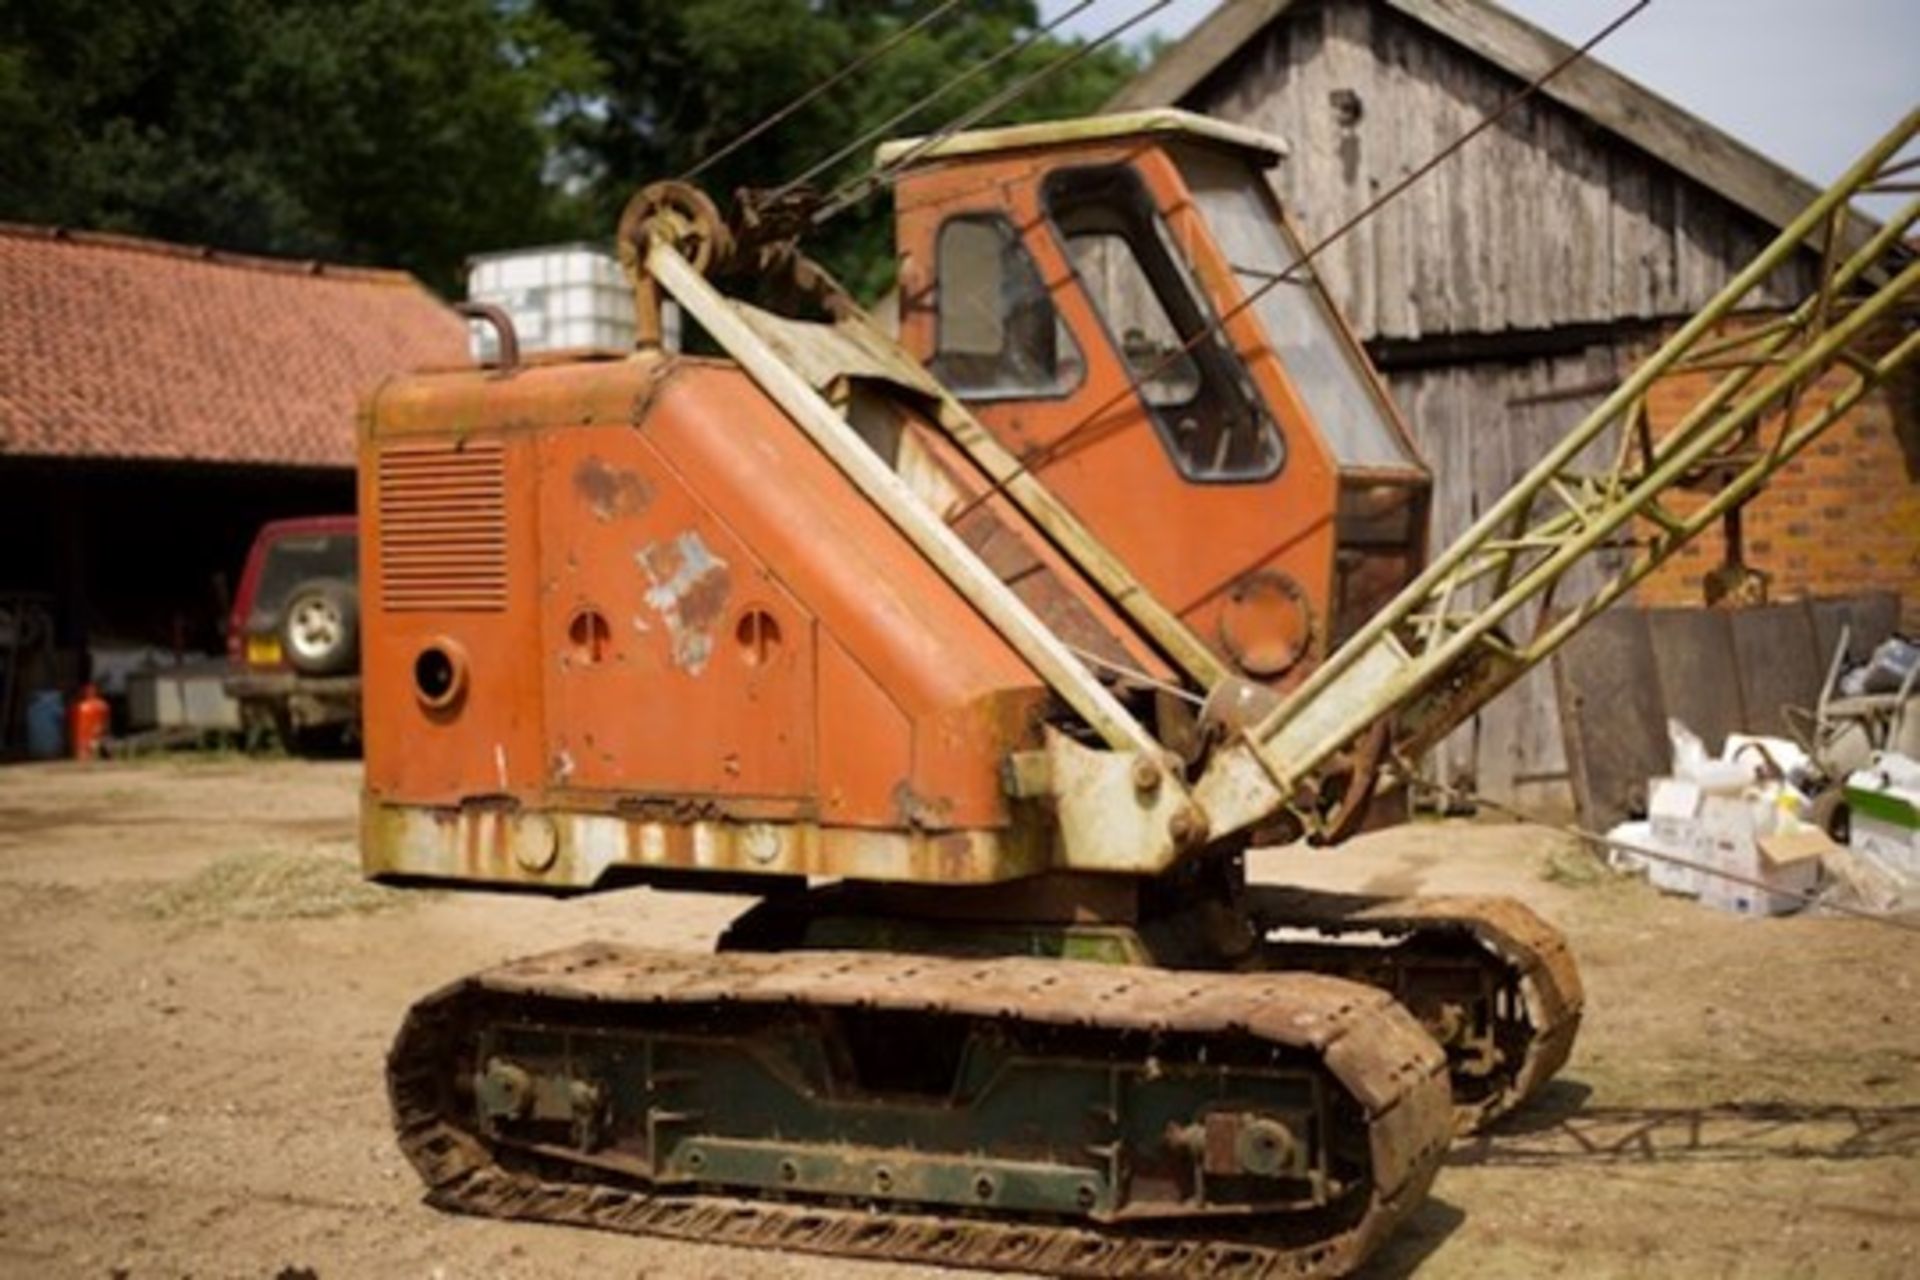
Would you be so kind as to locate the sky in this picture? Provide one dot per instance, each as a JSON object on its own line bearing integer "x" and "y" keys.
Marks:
{"x": 1808, "y": 83}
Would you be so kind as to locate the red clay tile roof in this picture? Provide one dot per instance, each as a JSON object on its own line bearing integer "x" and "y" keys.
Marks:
{"x": 113, "y": 347}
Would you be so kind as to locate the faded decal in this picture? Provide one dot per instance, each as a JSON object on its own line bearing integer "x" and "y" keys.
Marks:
{"x": 609, "y": 492}
{"x": 689, "y": 591}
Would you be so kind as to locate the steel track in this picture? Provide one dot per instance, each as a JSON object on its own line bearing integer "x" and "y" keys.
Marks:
{"x": 1368, "y": 1045}
{"x": 1530, "y": 956}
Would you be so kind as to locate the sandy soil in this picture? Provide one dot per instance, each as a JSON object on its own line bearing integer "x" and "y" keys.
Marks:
{"x": 197, "y": 994}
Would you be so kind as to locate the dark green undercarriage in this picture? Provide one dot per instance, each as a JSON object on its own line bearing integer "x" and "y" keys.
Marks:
{"x": 950, "y": 1111}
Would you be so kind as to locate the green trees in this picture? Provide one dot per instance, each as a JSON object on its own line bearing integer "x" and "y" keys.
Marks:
{"x": 681, "y": 80}
{"x": 401, "y": 132}
{"x": 412, "y": 133}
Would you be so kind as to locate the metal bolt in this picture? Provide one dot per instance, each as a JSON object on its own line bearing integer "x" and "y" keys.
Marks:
{"x": 1086, "y": 1195}
{"x": 1187, "y": 827}
{"x": 1264, "y": 1147}
{"x": 983, "y": 1187}
{"x": 696, "y": 1159}
{"x": 506, "y": 1089}
{"x": 789, "y": 1171}
{"x": 1146, "y": 775}
{"x": 883, "y": 1179}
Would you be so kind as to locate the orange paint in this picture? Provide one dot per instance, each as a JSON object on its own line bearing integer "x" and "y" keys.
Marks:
{"x": 1193, "y": 544}
{"x": 632, "y": 594}
{"x": 88, "y": 720}
{"x": 699, "y": 612}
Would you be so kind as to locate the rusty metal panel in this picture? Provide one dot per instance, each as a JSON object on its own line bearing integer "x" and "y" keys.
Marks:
{"x": 665, "y": 594}
{"x": 569, "y": 850}
{"x": 1612, "y": 714}
{"x": 1777, "y": 655}
{"x": 1693, "y": 651}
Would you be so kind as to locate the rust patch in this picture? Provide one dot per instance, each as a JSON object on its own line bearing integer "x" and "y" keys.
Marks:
{"x": 610, "y": 492}
{"x": 690, "y": 587}
{"x": 677, "y": 810}
{"x": 656, "y": 381}
{"x": 920, "y": 811}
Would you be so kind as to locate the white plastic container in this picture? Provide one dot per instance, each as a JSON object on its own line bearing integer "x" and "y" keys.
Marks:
{"x": 1885, "y": 820}
{"x": 560, "y": 297}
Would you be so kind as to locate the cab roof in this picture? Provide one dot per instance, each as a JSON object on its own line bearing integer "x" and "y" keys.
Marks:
{"x": 1161, "y": 122}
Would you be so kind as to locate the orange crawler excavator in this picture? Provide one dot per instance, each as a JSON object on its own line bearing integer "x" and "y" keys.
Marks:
{"x": 979, "y": 657}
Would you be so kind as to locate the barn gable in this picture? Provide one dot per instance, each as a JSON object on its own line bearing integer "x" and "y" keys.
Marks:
{"x": 1594, "y": 202}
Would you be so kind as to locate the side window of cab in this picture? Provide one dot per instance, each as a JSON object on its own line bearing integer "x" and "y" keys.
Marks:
{"x": 1196, "y": 390}
{"x": 998, "y": 334}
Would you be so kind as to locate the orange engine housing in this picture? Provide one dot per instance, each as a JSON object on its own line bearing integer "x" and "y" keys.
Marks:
{"x": 605, "y": 637}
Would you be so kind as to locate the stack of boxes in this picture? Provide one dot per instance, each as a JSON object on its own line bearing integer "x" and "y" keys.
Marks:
{"x": 1718, "y": 816}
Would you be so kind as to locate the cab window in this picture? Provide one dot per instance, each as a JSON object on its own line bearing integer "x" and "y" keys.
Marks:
{"x": 1202, "y": 402}
{"x": 999, "y": 335}
{"x": 1299, "y": 320}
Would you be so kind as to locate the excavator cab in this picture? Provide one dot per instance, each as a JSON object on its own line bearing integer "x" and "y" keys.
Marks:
{"x": 1101, "y": 295}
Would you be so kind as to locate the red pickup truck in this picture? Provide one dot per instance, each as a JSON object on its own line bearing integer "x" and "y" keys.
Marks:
{"x": 294, "y": 634}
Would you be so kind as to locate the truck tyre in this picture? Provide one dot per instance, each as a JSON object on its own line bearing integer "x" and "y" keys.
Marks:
{"x": 321, "y": 627}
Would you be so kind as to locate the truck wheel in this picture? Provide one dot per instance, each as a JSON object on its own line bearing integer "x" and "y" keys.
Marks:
{"x": 321, "y": 629}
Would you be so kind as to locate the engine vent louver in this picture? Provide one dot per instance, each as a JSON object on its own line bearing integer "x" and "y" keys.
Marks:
{"x": 443, "y": 528}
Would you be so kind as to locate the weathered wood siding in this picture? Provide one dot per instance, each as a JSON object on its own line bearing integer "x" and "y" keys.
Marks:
{"x": 1544, "y": 220}
{"x": 1481, "y": 426}
{"x": 1546, "y": 226}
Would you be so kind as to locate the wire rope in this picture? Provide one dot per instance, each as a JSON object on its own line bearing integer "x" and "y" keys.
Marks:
{"x": 865, "y": 60}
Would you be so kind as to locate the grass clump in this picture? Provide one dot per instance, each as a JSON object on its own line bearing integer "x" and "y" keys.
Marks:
{"x": 1573, "y": 865}
{"x": 275, "y": 884}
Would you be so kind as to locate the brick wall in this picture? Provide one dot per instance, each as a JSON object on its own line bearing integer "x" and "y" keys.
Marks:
{"x": 1842, "y": 517}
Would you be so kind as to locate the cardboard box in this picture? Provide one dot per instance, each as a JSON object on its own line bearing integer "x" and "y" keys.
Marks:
{"x": 1673, "y": 821}
{"x": 1745, "y": 839}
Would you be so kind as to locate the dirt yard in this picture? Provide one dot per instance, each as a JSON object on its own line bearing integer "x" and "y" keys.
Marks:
{"x": 197, "y": 995}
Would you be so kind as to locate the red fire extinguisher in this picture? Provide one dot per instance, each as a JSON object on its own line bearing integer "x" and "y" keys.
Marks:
{"x": 87, "y": 722}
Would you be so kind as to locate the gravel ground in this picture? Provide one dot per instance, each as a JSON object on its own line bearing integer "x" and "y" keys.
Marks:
{"x": 198, "y": 993}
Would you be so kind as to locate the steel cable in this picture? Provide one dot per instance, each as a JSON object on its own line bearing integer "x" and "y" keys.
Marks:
{"x": 866, "y": 59}
{"x": 926, "y": 100}
{"x": 1053, "y": 452}
{"x": 857, "y": 189}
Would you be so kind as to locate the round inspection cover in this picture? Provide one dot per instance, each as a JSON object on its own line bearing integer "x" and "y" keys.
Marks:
{"x": 1267, "y": 624}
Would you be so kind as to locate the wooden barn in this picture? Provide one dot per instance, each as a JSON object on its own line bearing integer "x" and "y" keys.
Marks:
{"x": 1508, "y": 290}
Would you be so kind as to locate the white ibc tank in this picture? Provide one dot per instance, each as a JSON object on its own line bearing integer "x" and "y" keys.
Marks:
{"x": 560, "y": 296}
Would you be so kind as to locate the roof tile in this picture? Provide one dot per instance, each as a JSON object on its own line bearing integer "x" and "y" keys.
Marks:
{"x": 113, "y": 347}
